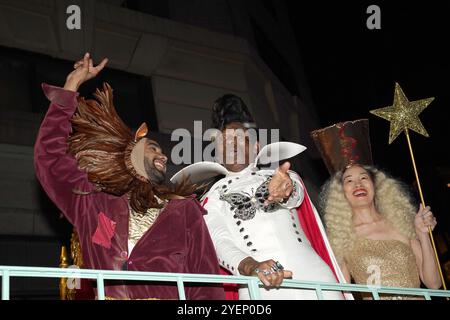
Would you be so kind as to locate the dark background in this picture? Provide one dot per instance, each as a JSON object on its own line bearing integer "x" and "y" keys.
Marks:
{"x": 351, "y": 70}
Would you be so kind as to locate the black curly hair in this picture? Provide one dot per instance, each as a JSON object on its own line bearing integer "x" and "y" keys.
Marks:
{"x": 230, "y": 108}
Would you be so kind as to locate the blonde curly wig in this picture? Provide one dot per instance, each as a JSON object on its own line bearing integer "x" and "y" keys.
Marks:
{"x": 391, "y": 200}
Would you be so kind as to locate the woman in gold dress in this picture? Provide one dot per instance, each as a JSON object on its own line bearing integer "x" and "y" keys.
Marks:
{"x": 372, "y": 224}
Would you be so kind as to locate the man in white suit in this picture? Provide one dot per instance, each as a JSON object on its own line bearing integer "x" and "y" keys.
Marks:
{"x": 262, "y": 222}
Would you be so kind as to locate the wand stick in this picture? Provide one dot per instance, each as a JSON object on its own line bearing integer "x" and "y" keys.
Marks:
{"x": 423, "y": 204}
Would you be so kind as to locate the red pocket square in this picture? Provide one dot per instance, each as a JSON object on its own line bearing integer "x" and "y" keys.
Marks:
{"x": 104, "y": 232}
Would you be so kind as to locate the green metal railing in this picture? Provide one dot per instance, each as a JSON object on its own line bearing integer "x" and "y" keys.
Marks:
{"x": 253, "y": 283}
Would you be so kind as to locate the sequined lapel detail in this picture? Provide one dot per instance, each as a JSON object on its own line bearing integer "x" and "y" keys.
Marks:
{"x": 245, "y": 205}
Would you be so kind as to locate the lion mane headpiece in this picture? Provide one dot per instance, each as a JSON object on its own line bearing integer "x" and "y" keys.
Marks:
{"x": 112, "y": 156}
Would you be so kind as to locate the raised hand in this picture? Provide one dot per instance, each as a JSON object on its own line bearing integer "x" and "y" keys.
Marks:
{"x": 424, "y": 219}
{"x": 84, "y": 71}
{"x": 280, "y": 187}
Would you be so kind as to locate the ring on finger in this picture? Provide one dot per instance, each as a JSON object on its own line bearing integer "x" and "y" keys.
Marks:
{"x": 266, "y": 272}
{"x": 279, "y": 266}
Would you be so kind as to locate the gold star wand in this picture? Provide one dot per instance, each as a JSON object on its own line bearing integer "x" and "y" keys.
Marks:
{"x": 404, "y": 115}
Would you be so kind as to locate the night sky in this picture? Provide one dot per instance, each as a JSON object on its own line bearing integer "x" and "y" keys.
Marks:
{"x": 351, "y": 70}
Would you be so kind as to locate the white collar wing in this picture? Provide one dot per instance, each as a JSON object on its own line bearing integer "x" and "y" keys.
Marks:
{"x": 274, "y": 152}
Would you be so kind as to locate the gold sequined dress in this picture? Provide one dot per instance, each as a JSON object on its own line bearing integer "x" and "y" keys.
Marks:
{"x": 389, "y": 263}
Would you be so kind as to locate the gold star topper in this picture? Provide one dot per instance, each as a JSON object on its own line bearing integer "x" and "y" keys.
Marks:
{"x": 403, "y": 114}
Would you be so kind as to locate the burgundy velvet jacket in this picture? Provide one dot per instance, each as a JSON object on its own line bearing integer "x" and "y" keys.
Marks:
{"x": 177, "y": 242}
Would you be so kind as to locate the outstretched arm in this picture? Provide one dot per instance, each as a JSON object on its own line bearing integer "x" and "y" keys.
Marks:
{"x": 285, "y": 187}
{"x": 56, "y": 170}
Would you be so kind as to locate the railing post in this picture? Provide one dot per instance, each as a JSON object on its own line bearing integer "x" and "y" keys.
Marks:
{"x": 253, "y": 289}
{"x": 375, "y": 294}
{"x": 5, "y": 285}
{"x": 319, "y": 292}
{"x": 100, "y": 287}
{"x": 427, "y": 296}
{"x": 181, "y": 292}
